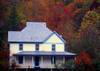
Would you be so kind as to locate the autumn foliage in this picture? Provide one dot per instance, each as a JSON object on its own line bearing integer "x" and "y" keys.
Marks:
{"x": 84, "y": 58}
{"x": 77, "y": 21}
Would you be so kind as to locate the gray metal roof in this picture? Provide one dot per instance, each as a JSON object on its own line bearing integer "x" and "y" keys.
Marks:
{"x": 43, "y": 53}
{"x": 33, "y": 32}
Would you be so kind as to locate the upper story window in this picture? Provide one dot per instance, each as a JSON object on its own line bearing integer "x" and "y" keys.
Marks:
{"x": 53, "y": 47}
{"x": 20, "y": 46}
{"x": 37, "y": 47}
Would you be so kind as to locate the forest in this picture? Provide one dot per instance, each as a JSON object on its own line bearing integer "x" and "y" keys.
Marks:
{"x": 78, "y": 21}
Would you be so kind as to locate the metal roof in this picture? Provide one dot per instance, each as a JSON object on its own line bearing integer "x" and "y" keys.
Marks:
{"x": 44, "y": 53}
{"x": 33, "y": 32}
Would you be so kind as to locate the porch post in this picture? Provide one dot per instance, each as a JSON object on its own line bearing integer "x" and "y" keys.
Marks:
{"x": 23, "y": 59}
{"x": 32, "y": 62}
{"x": 41, "y": 61}
{"x": 15, "y": 58}
{"x": 63, "y": 59}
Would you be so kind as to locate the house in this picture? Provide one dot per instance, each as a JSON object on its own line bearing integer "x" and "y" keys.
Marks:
{"x": 37, "y": 46}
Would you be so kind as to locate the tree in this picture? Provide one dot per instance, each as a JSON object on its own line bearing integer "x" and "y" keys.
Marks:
{"x": 13, "y": 21}
{"x": 90, "y": 33}
{"x": 20, "y": 11}
{"x": 87, "y": 44}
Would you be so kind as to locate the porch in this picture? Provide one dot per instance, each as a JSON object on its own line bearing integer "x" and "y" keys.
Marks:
{"x": 41, "y": 60}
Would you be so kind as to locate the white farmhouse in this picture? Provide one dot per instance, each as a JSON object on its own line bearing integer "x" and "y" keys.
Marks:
{"x": 37, "y": 46}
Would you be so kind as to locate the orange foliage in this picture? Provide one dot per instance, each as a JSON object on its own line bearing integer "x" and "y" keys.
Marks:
{"x": 83, "y": 57}
{"x": 71, "y": 10}
{"x": 77, "y": 60}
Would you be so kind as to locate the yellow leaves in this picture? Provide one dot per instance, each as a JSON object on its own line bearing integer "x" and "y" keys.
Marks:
{"x": 23, "y": 21}
{"x": 90, "y": 19}
{"x": 76, "y": 35}
{"x": 85, "y": 24}
{"x": 92, "y": 14}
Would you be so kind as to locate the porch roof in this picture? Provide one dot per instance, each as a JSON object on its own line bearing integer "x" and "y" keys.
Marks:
{"x": 43, "y": 53}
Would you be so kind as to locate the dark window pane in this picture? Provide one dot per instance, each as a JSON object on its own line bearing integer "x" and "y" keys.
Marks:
{"x": 37, "y": 58}
{"x": 37, "y": 46}
{"x": 21, "y": 47}
{"x": 53, "y": 47}
{"x": 20, "y": 59}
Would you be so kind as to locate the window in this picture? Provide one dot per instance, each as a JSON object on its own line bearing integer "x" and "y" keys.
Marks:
{"x": 53, "y": 60}
{"x": 20, "y": 59}
{"x": 53, "y": 47}
{"x": 21, "y": 47}
{"x": 37, "y": 47}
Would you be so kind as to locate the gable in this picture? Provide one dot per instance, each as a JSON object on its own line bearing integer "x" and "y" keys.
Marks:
{"x": 55, "y": 38}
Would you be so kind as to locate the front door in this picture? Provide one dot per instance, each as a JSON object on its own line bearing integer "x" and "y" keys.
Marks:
{"x": 37, "y": 59}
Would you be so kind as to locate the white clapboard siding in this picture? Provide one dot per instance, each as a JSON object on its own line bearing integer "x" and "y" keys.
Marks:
{"x": 54, "y": 39}
{"x": 60, "y": 48}
{"x": 45, "y": 47}
{"x": 14, "y": 48}
{"x": 28, "y": 47}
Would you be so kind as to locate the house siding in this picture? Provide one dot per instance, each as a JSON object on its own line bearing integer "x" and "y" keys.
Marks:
{"x": 45, "y": 47}
{"x": 54, "y": 39}
{"x": 48, "y": 47}
{"x": 60, "y": 48}
{"x": 14, "y": 48}
{"x": 28, "y": 47}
